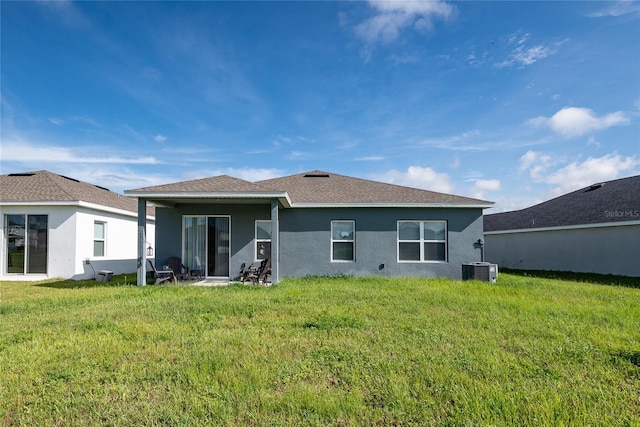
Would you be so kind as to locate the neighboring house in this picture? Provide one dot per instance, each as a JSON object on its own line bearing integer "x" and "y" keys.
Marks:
{"x": 313, "y": 223}
{"x": 55, "y": 226}
{"x": 594, "y": 230}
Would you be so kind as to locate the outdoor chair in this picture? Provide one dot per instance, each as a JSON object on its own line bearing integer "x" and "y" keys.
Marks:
{"x": 198, "y": 271}
{"x": 161, "y": 276}
{"x": 250, "y": 272}
{"x": 261, "y": 273}
{"x": 179, "y": 269}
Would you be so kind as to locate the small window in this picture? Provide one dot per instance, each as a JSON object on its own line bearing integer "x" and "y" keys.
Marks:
{"x": 263, "y": 240}
{"x": 343, "y": 239}
{"x": 422, "y": 241}
{"x": 99, "y": 238}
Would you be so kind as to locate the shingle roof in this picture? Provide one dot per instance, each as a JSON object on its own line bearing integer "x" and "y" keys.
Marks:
{"x": 318, "y": 187}
{"x": 611, "y": 201}
{"x": 309, "y": 188}
{"x": 222, "y": 183}
{"x": 45, "y": 186}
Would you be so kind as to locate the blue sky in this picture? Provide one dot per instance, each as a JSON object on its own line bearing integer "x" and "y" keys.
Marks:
{"x": 513, "y": 102}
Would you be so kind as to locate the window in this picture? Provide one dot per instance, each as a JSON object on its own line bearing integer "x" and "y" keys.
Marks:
{"x": 422, "y": 241}
{"x": 26, "y": 240}
{"x": 343, "y": 240}
{"x": 99, "y": 238}
{"x": 263, "y": 240}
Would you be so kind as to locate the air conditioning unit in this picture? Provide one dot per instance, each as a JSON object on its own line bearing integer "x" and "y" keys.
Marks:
{"x": 483, "y": 271}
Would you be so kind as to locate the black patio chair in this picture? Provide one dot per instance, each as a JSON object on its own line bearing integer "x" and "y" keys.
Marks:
{"x": 161, "y": 276}
{"x": 179, "y": 269}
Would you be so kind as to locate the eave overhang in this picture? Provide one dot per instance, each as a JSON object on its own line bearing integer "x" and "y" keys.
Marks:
{"x": 563, "y": 227}
{"x": 396, "y": 205}
{"x": 171, "y": 198}
{"x": 76, "y": 203}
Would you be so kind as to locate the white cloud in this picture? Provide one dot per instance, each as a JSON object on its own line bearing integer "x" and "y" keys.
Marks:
{"x": 18, "y": 150}
{"x": 616, "y": 8}
{"x": 523, "y": 54}
{"x": 395, "y": 16}
{"x": 370, "y": 159}
{"x": 563, "y": 177}
{"x": 580, "y": 174}
{"x": 536, "y": 163}
{"x": 160, "y": 138}
{"x": 67, "y": 14}
{"x": 481, "y": 186}
{"x": 418, "y": 177}
{"x": 574, "y": 121}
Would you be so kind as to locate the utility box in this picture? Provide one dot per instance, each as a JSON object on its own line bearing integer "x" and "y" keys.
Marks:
{"x": 483, "y": 271}
{"x": 104, "y": 275}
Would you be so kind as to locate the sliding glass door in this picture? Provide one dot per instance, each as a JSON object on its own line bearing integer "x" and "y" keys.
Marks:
{"x": 26, "y": 243}
{"x": 206, "y": 244}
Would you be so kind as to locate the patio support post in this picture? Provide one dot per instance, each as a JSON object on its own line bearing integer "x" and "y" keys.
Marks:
{"x": 142, "y": 242}
{"x": 275, "y": 245}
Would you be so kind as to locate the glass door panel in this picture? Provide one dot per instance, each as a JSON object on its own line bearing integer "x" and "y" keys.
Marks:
{"x": 16, "y": 236}
{"x": 195, "y": 243}
{"x": 37, "y": 253}
{"x": 26, "y": 243}
{"x": 218, "y": 246}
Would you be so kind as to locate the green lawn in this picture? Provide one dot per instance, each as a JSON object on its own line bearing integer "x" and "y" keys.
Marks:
{"x": 525, "y": 351}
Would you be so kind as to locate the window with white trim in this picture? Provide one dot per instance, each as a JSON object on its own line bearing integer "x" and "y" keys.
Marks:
{"x": 422, "y": 241}
{"x": 343, "y": 241}
{"x": 263, "y": 239}
{"x": 99, "y": 238}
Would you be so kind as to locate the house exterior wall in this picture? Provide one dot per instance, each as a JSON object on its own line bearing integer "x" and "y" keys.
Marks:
{"x": 603, "y": 250}
{"x": 121, "y": 244}
{"x": 70, "y": 241}
{"x": 305, "y": 238}
{"x": 305, "y": 241}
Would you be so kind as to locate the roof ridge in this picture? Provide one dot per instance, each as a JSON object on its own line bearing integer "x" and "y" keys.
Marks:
{"x": 50, "y": 175}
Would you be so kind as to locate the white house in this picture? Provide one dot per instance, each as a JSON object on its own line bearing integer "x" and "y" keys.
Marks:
{"x": 56, "y": 226}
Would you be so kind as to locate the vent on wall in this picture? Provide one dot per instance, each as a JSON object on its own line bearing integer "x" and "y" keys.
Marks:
{"x": 317, "y": 175}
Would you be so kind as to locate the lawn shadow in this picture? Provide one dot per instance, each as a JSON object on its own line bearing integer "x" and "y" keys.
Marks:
{"x": 120, "y": 280}
{"x": 599, "y": 279}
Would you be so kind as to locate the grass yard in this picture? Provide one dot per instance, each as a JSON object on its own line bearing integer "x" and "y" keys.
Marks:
{"x": 525, "y": 351}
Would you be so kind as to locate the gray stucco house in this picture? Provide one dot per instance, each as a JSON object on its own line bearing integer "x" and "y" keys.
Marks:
{"x": 594, "y": 230}
{"x": 313, "y": 223}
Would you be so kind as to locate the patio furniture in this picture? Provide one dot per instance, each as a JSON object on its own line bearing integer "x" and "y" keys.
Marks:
{"x": 161, "y": 276}
{"x": 198, "y": 271}
{"x": 261, "y": 273}
{"x": 249, "y": 272}
{"x": 179, "y": 269}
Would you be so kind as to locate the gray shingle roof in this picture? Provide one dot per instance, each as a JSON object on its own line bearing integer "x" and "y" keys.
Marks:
{"x": 312, "y": 188}
{"x": 611, "y": 201}
{"x": 222, "y": 183}
{"x": 45, "y": 186}
{"x": 320, "y": 187}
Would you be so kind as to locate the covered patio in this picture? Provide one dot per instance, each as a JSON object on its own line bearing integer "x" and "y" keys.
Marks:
{"x": 214, "y": 225}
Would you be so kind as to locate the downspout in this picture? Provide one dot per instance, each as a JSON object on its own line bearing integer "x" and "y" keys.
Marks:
{"x": 142, "y": 242}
